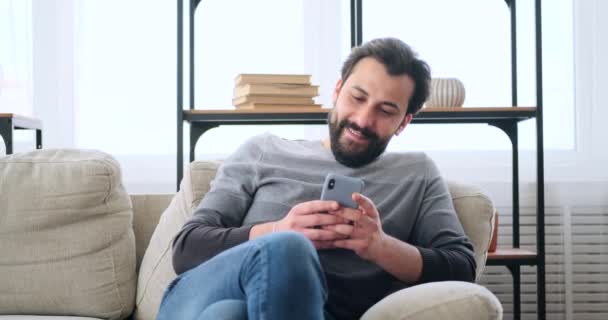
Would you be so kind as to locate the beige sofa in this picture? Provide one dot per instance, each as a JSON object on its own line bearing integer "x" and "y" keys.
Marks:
{"x": 75, "y": 245}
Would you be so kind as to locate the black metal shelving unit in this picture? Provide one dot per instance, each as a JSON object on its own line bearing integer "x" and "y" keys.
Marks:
{"x": 9, "y": 122}
{"x": 504, "y": 118}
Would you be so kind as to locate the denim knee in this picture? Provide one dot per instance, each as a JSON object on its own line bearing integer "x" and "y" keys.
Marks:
{"x": 291, "y": 245}
{"x": 229, "y": 309}
{"x": 294, "y": 253}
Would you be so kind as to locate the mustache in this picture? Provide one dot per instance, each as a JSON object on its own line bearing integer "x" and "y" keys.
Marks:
{"x": 364, "y": 131}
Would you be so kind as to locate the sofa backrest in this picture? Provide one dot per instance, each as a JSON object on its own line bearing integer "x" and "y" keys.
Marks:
{"x": 147, "y": 210}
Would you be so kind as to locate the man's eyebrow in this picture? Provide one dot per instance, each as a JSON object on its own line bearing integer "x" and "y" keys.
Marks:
{"x": 388, "y": 103}
{"x": 361, "y": 89}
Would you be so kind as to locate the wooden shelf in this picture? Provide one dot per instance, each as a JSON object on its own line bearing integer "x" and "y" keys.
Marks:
{"x": 474, "y": 115}
{"x": 319, "y": 115}
{"x": 479, "y": 109}
{"x": 515, "y": 256}
{"x": 9, "y": 122}
{"x": 22, "y": 122}
{"x": 462, "y": 110}
{"x": 241, "y": 111}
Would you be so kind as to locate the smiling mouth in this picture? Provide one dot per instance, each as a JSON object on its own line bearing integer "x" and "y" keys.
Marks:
{"x": 357, "y": 135}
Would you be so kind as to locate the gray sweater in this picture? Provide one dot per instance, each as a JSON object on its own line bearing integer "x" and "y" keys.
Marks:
{"x": 268, "y": 175}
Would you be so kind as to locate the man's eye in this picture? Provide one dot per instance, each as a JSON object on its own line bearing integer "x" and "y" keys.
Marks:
{"x": 387, "y": 111}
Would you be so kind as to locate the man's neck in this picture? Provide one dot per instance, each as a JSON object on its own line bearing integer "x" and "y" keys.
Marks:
{"x": 326, "y": 143}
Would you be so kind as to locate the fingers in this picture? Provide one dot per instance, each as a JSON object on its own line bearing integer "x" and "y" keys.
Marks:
{"x": 348, "y": 214}
{"x": 356, "y": 217}
{"x": 322, "y": 235}
{"x": 315, "y": 206}
{"x": 360, "y": 228}
{"x": 345, "y": 229}
{"x": 352, "y": 244}
{"x": 323, "y": 244}
{"x": 319, "y": 219}
{"x": 365, "y": 204}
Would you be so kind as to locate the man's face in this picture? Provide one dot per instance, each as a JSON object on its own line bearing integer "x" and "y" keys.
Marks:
{"x": 369, "y": 108}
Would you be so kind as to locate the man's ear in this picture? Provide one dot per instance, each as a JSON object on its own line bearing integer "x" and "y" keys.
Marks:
{"x": 406, "y": 121}
{"x": 337, "y": 89}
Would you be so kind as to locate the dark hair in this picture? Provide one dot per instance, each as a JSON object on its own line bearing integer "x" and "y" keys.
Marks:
{"x": 399, "y": 59}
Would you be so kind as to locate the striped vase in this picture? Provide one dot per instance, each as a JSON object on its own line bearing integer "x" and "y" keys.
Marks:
{"x": 446, "y": 93}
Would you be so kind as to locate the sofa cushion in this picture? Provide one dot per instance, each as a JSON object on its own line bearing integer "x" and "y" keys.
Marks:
{"x": 67, "y": 242}
{"x": 438, "y": 300}
{"x": 156, "y": 270}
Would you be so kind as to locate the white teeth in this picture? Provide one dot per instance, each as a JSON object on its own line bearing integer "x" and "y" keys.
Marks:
{"x": 355, "y": 132}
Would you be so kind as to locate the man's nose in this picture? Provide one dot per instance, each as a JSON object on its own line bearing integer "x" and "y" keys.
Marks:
{"x": 363, "y": 117}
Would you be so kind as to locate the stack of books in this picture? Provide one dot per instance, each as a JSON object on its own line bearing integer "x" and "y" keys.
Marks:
{"x": 272, "y": 91}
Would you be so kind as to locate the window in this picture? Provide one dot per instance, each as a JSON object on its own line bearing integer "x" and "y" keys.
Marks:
{"x": 126, "y": 69}
{"x": 260, "y": 37}
{"x": 125, "y": 76}
{"x": 15, "y": 57}
{"x": 470, "y": 40}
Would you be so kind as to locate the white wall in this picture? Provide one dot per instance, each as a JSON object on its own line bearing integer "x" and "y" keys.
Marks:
{"x": 53, "y": 43}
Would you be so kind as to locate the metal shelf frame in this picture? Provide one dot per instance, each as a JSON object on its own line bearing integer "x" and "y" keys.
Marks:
{"x": 9, "y": 122}
{"x": 200, "y": 122}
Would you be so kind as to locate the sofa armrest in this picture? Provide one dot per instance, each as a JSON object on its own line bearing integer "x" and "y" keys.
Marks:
{"x": 438, "y": 300}
{"x": 476, "y": 213}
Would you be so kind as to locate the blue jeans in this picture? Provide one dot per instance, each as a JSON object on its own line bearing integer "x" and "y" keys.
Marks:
{"x": 277, "y": 276}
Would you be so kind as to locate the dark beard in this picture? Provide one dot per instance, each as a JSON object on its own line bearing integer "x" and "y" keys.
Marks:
{"x": 354, "y": 159}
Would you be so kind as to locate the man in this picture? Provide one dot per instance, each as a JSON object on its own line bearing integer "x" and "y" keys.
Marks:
{"x": 262, "y": 246}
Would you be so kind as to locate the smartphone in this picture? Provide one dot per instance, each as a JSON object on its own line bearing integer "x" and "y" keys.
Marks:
{"x": 340, "y": 188}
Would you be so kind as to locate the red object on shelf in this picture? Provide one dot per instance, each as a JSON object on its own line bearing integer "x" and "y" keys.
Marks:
{"x": 494, "y": 240}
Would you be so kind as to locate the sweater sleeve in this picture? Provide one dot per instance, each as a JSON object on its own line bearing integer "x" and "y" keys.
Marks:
{"x": 216, "y": 224}
{"x": 447, "y": 253}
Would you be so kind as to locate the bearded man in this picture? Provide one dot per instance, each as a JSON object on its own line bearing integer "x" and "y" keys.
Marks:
{"x": 261, "y": 245}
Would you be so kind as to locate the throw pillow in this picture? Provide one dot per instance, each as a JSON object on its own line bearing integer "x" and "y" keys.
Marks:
{"x": 67, "y": 244}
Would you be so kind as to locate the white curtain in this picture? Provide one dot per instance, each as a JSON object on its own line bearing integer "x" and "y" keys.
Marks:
{"x": 15, "y": 57}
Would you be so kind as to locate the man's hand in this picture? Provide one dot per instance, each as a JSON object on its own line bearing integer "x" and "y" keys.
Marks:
{"x": 365, "y": 234}
{"x": 310, "y": 219}
{"x": 368, "y": 240}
